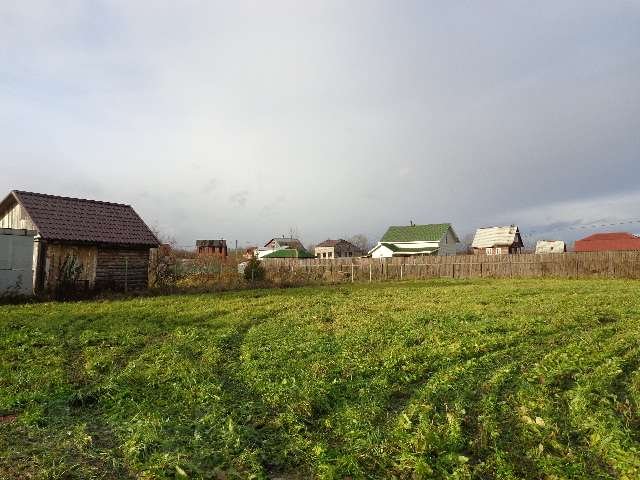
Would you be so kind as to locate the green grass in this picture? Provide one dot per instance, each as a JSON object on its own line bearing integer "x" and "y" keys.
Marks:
{"x": 442, "y": 379}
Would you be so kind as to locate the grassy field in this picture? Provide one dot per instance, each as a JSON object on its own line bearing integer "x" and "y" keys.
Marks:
{"x": 441, "y": 379}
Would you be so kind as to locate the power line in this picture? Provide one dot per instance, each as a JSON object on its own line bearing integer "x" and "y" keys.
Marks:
{"x": 586, "y": 226}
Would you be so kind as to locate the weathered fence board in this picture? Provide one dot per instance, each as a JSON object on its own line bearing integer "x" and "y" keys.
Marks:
{"x": 567, "y": 265}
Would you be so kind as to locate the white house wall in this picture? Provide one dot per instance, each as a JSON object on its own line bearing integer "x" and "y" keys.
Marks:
{"x": 424, "y": 245}
{"x": 382, "y": 252}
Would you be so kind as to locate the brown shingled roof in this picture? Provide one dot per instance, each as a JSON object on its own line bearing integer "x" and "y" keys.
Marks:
{"x": 335, "y": 243}
{"x": 79, "y": 220}
{"x": 329, "y": 243}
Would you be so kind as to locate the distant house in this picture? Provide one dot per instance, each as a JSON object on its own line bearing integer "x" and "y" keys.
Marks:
{"x": 280, "y": 242}
{"x": 497, "y": 241}
{"x": 295, "y": 247}
{"x": 412, "y": 240}
{"x": 103, "y": 244}
{"x": 213, "y": 248}
{"x": 337, "y": 249}
{"x": 550, "y": 246}
{"x": 606, "y": 242}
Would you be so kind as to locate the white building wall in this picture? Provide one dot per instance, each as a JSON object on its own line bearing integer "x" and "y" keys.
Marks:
{"x": 329, "y": 252}
{"x": 382, "y": 252}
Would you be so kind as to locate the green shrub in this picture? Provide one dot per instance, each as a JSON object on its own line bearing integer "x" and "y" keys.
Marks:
{"x": 254, "y": 271}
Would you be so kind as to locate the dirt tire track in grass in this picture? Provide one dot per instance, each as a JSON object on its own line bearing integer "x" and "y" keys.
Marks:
{"x": 418, "y": 380}
{"x": 84, "y": 409}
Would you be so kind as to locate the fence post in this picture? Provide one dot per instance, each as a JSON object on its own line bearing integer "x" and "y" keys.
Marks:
{"x": 352, "y": 271}
{"x": 369, "y": 272}
{"x": 400, "y": 271}
{"x": 126, "y": 274}
{"x": 612, "y": 266}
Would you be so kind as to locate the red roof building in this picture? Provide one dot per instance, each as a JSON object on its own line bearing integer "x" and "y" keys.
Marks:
{"x": 607, "y": 242}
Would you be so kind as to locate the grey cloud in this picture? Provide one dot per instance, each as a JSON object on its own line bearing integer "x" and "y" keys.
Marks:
{"x": 362, "y": 114}
{"x": 239, "y": 199}
{"x": 210, "y": 185}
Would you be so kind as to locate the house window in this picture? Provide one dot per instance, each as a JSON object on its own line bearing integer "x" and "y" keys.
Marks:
{"x": 498, "y": 251}
{"x": 489, "y": 251}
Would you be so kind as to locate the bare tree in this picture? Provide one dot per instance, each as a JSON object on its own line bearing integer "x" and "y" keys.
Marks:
{"x": 294, "y": 233}
{"x": 465, "y": 243}
{"x": 361, "y": 241}
{"x": 163, "y": 238}
{"x": 163, "y": 261}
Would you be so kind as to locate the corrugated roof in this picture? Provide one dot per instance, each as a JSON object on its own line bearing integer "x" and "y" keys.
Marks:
{"x": 416, "y": 233}
{"x": 496, "y": 237}
{"x": 400, "y": 249}
{"x": 80, "y": 220}
{"x": 605, "y": 242}
{"x": 550, "y": 246}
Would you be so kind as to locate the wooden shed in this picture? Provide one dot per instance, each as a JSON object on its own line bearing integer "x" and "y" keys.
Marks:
{"x": 497, "y": 241}
{"x": 104, "y": 244}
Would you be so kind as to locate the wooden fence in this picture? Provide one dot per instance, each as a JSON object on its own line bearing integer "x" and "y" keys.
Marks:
{"x": 567, "y": 265}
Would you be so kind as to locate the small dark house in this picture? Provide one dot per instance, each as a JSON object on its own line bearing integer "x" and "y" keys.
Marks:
{"x": 216, "y": 248}
{"x": 337, "y": 249}
{"x": 104, "y": 245}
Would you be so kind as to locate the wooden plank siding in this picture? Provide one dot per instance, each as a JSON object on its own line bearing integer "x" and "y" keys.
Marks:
{"x": 553, "y": 265}
{"x": 55, "y": 255}
{"x": 102, "y": 267}
{"x": 17, "y": 218}
{"x": 122, "y": 269}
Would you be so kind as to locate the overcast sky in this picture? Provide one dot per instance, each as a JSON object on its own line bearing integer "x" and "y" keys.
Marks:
{"x": 245, "y": 119}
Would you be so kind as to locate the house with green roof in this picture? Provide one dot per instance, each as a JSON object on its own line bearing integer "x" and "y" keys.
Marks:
{"x": 411, "y": 240}
{"x": 289, "y": 253}
{"x": 283, "y": 247}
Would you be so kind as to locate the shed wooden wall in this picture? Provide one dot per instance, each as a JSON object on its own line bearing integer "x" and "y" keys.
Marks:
{"x": 120, "y": 268}
{"x": 102, "y": 267}
{"x": 55, "y": 255}
{"x": 16, "y": 217}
